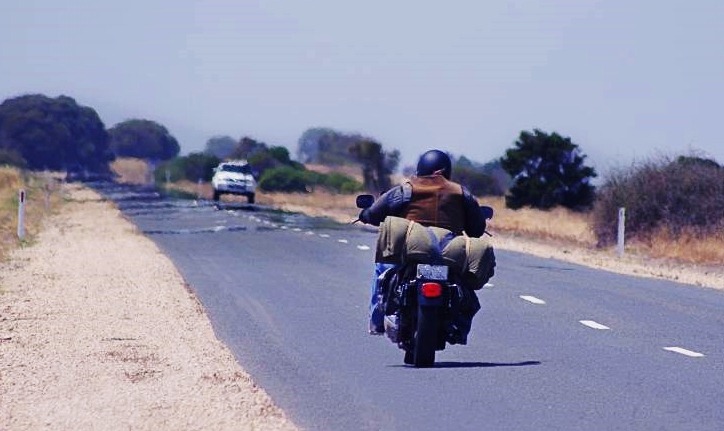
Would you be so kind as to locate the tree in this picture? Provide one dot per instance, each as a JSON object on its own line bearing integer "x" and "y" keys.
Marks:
{"x": 377, "y": 164}
{"x": 327, "y": 146}
{"x": 143, "y": 139}
{"x": 193, "y": 167}
{"x": 247, "y": 147}
{"x": 46, "y": 133}
{"x": 548, "y": 170}
{"x": 477, "y": 178}
{"x": 220, "y": 146}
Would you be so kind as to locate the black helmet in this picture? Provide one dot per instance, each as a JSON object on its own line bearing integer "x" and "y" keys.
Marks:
{"x": 433, "y": 161}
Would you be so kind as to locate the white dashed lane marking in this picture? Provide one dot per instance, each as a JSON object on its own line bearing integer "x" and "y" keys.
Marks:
{"x": 532, "y": 299}
{"x": 686, "y": 352}
{"x": 592, "y": 324}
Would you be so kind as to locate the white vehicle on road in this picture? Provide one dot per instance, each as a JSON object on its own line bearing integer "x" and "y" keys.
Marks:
{"x": 235, "y": 178}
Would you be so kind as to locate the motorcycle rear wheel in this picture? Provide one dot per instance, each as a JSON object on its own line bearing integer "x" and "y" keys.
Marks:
{"x": 426, "y": 334}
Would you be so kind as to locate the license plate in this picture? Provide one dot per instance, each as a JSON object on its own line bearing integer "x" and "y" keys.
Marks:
{"x": 432, "y": 272}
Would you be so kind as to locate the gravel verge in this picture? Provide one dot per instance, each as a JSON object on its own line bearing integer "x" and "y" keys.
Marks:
{"x": 98, "y": 331}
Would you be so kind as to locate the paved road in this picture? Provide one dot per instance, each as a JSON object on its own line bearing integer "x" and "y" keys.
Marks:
{"x": 556, "y": 346}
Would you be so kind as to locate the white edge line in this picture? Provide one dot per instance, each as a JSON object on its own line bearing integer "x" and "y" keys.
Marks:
{"x": 363, "y": 247}
{"x": 532, "y": 299}
{"x": 592, "y": 324}
{"x": 343, "y": 241}
{"x": 685, "y": 352}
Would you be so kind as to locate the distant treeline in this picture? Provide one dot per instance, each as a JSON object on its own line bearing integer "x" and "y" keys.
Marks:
{"x": 38, "y": 132}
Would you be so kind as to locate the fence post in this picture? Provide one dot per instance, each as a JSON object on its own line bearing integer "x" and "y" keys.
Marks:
{"x": 621, "y": 231}
{"x": 21, "y": 214}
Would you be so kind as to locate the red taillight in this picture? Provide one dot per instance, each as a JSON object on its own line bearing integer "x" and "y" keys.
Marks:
{"x": 431, "y": 290}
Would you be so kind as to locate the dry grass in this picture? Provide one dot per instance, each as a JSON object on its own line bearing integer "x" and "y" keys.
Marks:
{"x": 38, "y": 188}
{"x": 318, "y": 204}
{"x": 561, "y": 225}
{"x": 131, "y": 171}
{"x": 557, "y": 224}
{"x": 688, "y": 247}
{"x": 350, "y": 170}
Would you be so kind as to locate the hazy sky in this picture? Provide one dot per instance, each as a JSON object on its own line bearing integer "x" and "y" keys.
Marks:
{"x": 624, "y": 79}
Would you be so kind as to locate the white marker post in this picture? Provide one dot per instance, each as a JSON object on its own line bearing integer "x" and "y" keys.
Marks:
{"x": 21, "y": 214}
{"x": 621, "y": 231}
{"x": 198, "y": 190}
{"x": 46, "y": 189}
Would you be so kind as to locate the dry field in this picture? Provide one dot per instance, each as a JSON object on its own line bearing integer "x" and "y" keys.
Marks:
{"x": 131, "y": 171}
{"x": 42, "y": 198}
{"x": 562, "y": 225}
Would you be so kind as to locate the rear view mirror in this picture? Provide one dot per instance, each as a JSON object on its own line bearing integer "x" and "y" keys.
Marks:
{"x": 486, "y": 212}
{"x": 365, "y": 201}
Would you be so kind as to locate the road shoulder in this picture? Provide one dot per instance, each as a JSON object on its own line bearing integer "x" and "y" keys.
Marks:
{"x": 98, "y": 331}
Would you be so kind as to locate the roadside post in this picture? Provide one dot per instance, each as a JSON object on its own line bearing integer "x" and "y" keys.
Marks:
{"x": 621, "y": 231}
{"x": 21, "y": 214}
{"x": 46, "y": 189}
{"x": 198, "y": 189}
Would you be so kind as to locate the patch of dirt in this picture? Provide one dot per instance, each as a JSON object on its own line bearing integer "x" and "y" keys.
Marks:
{"x": 98, "y": 331}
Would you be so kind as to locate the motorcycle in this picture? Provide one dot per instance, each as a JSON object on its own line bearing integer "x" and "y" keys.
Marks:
{"x": 425, "y": 304}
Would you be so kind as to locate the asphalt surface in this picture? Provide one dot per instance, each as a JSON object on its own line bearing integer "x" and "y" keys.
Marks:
{"x": 556, "y": 345}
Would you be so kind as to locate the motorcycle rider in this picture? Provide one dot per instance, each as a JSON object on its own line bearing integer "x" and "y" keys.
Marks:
{"x": 431, "y": 199}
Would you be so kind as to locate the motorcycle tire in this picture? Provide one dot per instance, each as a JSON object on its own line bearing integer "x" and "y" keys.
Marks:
{"x": 428, "y": 321}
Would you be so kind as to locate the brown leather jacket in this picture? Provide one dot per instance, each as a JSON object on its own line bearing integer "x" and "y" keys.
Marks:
{"x": 435, "y": 201}
{"x": 432, "y": 201}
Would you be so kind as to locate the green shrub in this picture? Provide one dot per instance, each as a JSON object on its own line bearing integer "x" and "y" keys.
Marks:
{"x": 341, "y": 183}
{"x": 682, "y": 194}
{"x": 12, "y": 158}
{"x": 283, "y": 179}
{"x": 193, "y": 167}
